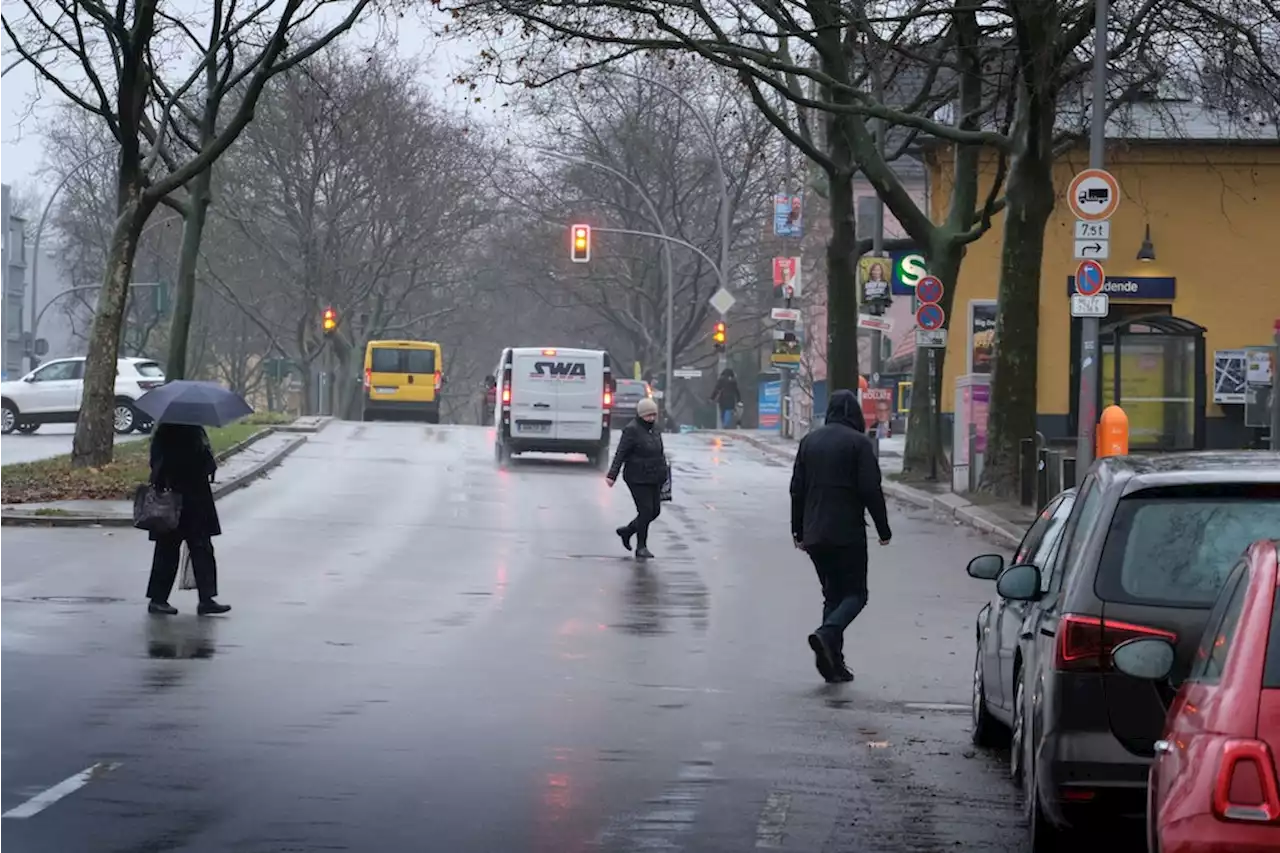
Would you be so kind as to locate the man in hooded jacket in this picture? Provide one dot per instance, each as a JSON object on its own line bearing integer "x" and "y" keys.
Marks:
{"x": 836, "y": 481}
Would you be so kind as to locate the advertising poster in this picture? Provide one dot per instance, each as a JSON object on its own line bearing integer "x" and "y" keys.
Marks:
{"x": 787, "y": 211}
{"x": 786, "y": 274}
{"x": 1229, "y": 369}
{"x": 771, "y": 404}
{"x": 982, "y": 336}
{"x": 874, "y": 275}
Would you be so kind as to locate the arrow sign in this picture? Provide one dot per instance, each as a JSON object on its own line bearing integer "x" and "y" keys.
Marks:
{"x": 930, "y": 316}
{"x": 1089, "y": 278}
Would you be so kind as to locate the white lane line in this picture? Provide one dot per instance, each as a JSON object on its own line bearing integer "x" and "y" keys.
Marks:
{"x": 46, "y": 798}
{"x": 773, "y": 817}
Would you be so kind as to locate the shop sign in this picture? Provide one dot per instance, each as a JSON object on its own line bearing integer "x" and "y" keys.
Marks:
{"x": 1134, "y": 287}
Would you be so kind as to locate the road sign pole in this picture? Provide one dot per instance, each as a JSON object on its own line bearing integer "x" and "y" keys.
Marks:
{"x": 1275, "y": 390}
{"x": 1087, "y": 405}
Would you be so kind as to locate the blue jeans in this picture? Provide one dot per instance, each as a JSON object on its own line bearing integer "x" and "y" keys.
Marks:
{"x": 842, "y": 571}
{"x": 726, "y": 418}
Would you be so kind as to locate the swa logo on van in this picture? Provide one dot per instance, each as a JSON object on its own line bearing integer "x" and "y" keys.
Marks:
{"x": 560, "y": 369}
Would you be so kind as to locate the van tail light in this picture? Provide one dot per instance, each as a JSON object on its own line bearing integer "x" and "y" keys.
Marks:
{"x": 439, "y": 380}
{"x": 1247, "y": 788}
{"x": 608, "y": 399}
{"x": 368, "y": 378}
{"x": 1085, "y": 642}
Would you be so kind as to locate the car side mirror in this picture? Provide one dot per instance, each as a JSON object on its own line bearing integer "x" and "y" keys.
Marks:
{"x": 1019, "y": 583}
{"x": 30, "y": 377}
{"x": 986, "y": 568}
{"x": 1148, "y": 658}
{"x": 490, "y": 381}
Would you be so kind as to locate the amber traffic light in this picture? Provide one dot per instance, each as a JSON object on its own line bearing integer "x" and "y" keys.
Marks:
{"x": 719, "y": 337}
{"x": 329, "y": 321}
{"x": 581, "y": 252}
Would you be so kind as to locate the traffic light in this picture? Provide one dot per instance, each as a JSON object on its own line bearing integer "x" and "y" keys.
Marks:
{"x": 581, "y": 252}
{"x": 719, "y": 337}
{"x": 329, "y": 321}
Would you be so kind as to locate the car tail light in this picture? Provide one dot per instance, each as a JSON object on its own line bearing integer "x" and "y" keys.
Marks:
{"x": 439, "y": 380}
{"x": 608, "y": 399}
{"x": 148, "y": 384}
{"x": 1085, "y": 642}
{"x": 1247, "y": 789}
{"x": 368, "y": 378}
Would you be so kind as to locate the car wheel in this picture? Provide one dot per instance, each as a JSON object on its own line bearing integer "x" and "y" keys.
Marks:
{"x": 28, "y": 427}
{"x": 10, "y": 419}
{"x": 124, "y": 417}
{"x": 1017, "y": 740}
{"x": 987, "y": 730}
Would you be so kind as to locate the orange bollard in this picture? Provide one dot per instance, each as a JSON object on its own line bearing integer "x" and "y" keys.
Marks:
{"x": 1113, "y": 432}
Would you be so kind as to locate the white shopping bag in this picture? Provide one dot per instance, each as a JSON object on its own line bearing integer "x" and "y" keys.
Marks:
{"x": 186, "y": 575}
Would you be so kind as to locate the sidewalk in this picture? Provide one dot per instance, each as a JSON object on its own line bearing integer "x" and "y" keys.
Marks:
{"x": 1005, "y": 522}
{"x": 238, "y": 469}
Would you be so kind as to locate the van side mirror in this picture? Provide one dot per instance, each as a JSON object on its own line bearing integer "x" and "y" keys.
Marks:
{"x": 490, "y": 381}
{"x": 1020, "y": 583}
{"x": 986, "y": 568}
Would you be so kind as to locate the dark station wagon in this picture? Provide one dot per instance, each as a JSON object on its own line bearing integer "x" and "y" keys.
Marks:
{"x": 1141, "y": 549}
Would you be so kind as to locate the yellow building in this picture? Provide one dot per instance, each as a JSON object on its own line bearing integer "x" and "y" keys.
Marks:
{"x": 1209, "y": 284}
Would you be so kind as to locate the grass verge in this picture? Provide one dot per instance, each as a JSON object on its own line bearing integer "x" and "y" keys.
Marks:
{"x": 55, "y": 480}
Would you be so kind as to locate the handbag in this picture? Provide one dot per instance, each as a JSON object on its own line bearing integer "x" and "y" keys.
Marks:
{"x": 187, "y": 576}
{"x": 665, "y": 493}
{"x": 156, "y": 510}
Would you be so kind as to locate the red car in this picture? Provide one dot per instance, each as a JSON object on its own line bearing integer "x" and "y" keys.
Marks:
{"x": 1214, "y": 786}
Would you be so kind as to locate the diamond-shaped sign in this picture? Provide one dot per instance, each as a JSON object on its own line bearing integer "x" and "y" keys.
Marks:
{"x": 722, "y": 301}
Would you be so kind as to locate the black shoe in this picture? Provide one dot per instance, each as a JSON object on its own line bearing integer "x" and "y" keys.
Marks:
{"x": 842, "y": 672}
{"x": 624, "y": 533}
{"x": 643, "y": 553}
{"x": 823, "y": 658}
{"x": 212, "y": 608}
{"x": 162, "y": 608}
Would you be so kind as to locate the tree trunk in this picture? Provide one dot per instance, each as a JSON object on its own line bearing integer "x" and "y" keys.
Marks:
{"x": 842, "y": 288}
{"x": 1012, "y": 413}
{"x": 94, "y": 441}
{"x": 184, "y": 302}
{"x": 923, "y": 422}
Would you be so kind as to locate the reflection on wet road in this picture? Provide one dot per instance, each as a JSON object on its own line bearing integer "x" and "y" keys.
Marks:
{"x": 427, "y": 653}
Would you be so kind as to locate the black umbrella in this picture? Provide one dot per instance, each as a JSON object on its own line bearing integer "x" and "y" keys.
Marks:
{"x": 194, "y": 403}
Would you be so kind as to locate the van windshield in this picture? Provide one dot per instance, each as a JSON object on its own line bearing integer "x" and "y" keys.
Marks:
{"x": 403, "y": 360}
{"x": 1176, "y": 547}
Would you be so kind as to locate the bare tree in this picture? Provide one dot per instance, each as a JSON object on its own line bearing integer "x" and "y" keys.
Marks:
{"x": 114, "y": 62}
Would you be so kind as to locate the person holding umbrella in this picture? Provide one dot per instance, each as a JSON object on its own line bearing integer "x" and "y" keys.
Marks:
{"x": 182, "y": 461}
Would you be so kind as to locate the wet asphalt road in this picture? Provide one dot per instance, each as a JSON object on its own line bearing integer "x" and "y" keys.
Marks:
{"x": 428, "y": 654}
{"x": 51, "y": 440}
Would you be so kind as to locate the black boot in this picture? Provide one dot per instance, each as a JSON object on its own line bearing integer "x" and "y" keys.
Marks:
{"x": 161, "y": 608}
{"x": 824, "y": 657}
{"x": 624, "y": 533}
{"x": 209, "y": 607}
{"x": 643, "y": 553}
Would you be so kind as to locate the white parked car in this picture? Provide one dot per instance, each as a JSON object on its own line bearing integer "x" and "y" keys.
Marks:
{"x": 52, "y": 394}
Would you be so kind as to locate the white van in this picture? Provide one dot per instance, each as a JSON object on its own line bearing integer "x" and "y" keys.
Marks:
{"x": 553, "y": 400}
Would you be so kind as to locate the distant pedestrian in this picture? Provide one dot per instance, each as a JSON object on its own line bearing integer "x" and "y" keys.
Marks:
{"x": 182, "y": 461}
{"x": 835, "y": 482}
{"x": 643, "y": 463}
{"x": 727, "y": 397}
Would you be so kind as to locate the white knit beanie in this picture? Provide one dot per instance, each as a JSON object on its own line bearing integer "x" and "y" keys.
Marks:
{"x": 646, "y": 407}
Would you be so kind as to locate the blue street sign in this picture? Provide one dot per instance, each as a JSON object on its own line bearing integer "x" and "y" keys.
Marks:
{"x": 930, "y": 317}
{"x": 929, "y": 289}
{"x": 1089, "y": 278}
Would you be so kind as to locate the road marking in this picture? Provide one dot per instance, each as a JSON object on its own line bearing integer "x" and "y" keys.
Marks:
{"x": 773, "y": 817}
{"x": 46, "y": 798}
{"x": 956, "y": 707}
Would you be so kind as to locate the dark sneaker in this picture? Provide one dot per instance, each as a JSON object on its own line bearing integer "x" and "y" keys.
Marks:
{"x": 625, "y": 535}
{"x": 823, "y": 658}
{"x": 212, "y": 608}
{"x": 162, "y": 608}
{"x": 644, "y": 553}
{"x": 842, "y": 672}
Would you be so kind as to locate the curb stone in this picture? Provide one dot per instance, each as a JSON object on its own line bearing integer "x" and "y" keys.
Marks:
{"x": 28, "y": 518}
{"x": 948, "y": 504}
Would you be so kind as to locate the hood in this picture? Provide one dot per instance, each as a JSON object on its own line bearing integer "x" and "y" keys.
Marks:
{"x": 845, "y": 409}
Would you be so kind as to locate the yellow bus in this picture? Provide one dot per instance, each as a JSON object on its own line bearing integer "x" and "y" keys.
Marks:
{"x": 403, "y": 379}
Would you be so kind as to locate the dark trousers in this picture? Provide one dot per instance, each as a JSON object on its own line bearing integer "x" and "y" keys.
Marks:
{"x": 164, "y": 567}
{"x": 648, "y": 500}
{"x": 842, "y": 571}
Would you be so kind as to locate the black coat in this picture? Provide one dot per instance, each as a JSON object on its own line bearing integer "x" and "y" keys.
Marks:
{"x": 640, "y": 451}
{"x": 836, "y": 481}
{"x": 182, "y": 460}
{"x": 726, "y": 393}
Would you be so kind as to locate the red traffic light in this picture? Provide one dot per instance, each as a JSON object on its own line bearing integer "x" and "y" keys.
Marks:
{"x": 329, "y": 320}
{"x": 581, "y": 250}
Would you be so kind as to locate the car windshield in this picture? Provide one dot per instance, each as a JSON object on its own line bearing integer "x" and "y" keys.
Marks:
{"x": 1177, "y": 546}
{"x": 630, "y": 388}
{"x": 149, "y": 369}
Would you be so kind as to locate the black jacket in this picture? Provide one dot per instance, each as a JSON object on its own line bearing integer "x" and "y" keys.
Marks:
{"x": 640, "y": 451}
{"x": 726, "y": 393}
{"x": 836, "y": 480}
{"x": 182, "y": 460}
